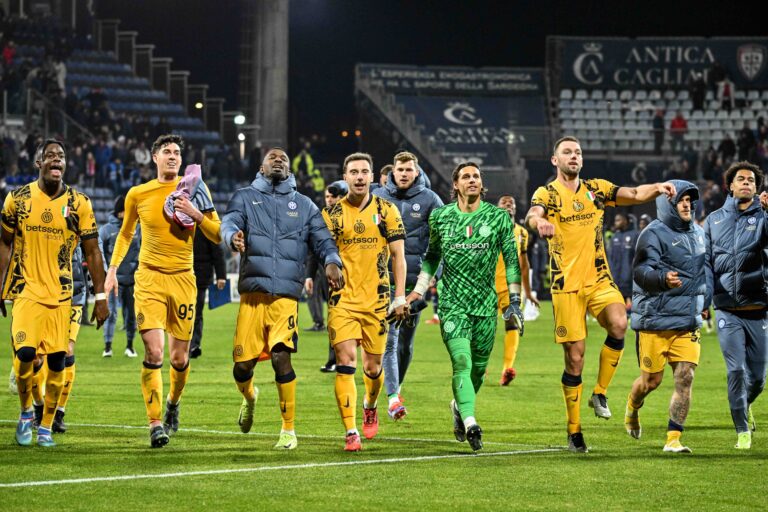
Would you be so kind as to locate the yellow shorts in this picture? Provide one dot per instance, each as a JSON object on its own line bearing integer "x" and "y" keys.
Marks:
{"x": 571, "y": 309}
{"x": 165, "y": 301}
{"x": 657, "y": 348}
{"x": 369, "y": 328}
{"x": 264, "y": 321}
{"x": 74, "y": 322}
{"x": 44, "y": 328}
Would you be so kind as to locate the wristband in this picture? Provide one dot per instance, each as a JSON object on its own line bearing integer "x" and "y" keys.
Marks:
{"x": 515, "y": 288}
{"x": 397, "y": 302}
{"x": 101, "y": 296}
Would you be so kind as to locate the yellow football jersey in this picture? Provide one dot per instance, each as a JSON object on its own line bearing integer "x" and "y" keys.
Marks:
{"x": 576, "y": 251}
{"x": 46, "y": 232}
{"x": 165, "y": 246}
{"x": 521, "y": 237}
{"x": 362, "y": 236}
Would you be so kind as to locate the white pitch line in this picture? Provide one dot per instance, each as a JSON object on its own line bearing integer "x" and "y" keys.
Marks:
{"x": 272, "y": 468}
{"x": 266, "y": 434}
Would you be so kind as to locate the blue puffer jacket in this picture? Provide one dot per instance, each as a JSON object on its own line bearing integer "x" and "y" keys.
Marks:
{"x": 670, "y": 244}
{"x": 737, "y": 255}
{"x": 107, "y": 240}
{"x": 415, "y": 204}
{"x": 78, "y": 278}
{"x": 280, "y": 225}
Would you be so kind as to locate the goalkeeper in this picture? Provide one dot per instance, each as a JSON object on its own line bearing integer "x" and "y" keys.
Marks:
{"x": 467, "y": 236}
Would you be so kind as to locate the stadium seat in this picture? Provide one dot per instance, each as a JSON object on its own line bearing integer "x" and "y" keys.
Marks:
{"x": 641, "y": 95}
{"x": 566, "y": 94}
{"x": 611, "y": 95}
{"x": 597, "y": 94}
{"x": 581, "y": 94}
{"x": 683, "y": 95}
{"x": 626, "y": 95}
{"x": 753, "y": 95}
{"x": 654, "y": 95}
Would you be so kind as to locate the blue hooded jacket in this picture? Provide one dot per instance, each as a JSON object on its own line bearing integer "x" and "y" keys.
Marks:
{"x": 737, "y": 255}
{"x": 107, "y": 240}
{"x": 670, "y": 244}
{"x": 415, "y": 204}
{"x": 279, "y": 225}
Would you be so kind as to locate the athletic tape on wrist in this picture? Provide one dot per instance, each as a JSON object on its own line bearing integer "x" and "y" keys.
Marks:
{"x": 422, "y": 283}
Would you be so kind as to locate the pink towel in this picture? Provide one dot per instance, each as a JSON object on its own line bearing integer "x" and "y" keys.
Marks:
{"x": 187, "y": 187}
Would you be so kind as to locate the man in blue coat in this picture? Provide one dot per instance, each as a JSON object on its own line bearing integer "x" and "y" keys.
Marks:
{"x": 621, "y": 252}
{"x": 668, "y": 298}
{"x": 737, "y": 254}
{"x": 273, "y": 226}
{"x": 407, "y": 187}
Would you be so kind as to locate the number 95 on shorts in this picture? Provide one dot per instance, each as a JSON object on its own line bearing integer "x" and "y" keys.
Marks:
{"x": 165, "y": 301}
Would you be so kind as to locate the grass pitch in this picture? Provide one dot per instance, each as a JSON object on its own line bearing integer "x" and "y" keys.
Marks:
{"x": 104, "y": 462}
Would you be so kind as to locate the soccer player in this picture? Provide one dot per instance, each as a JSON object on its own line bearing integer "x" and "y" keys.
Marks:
{"x": 44, "y": 221}
{"x": 668, "y": 298}
{"x": 569, "y": 212}
{"x": 511, "y": 333}
{"x": 273, "y": 226}
{"x": 467, "y": 236}
{"x": 407, "y": 189}
{"x": 165, "y": 290}
{"x": 107, "y": 239}
{"x": 367, "y": 230}
{"x": 736, "y": 238}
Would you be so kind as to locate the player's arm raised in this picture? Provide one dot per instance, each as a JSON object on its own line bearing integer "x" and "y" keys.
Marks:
{"x": 627, "y": 196}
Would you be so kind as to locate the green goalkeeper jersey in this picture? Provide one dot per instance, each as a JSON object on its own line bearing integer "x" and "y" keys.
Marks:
{"x": 468, "y": 244}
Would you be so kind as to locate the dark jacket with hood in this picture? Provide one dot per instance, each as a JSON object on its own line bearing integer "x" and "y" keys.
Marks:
{"x": 415, "y": 204}
{"x": 670, "y": 244}
{"x": 737, "y": 255}
{"x": 107, "y": 239}
{"x": 280, "y": 226}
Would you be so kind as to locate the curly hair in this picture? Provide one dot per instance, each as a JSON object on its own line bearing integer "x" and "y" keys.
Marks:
{"x": 730, "y": 174}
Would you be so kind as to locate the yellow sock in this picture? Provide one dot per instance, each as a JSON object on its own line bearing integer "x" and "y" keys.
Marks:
{"x": 178, "y": 380}
{"x": 53, "y": 386}
{"x": 372, "y": 388}
{"x": 673, "y": 435}
{"x": 346, "y": 397}
{"x": 511, "y": 342}
{"x": 572, "y": 396}
{"x": 25, "y": 374}
{"x": 38, "y": 384}
{"x": 287, "y": 393}
{"x": 152, "y": 389}
{"x": 69, "y": 380}
{"x": 609, "y": 361}
{"x": 246, "y": 388}
{"x": 632, "y": 405}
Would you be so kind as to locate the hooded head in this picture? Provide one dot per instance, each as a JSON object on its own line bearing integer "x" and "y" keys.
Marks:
{"x": 668, "y": 210}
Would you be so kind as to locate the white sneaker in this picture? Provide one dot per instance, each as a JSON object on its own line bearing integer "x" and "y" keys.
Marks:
{"x": 107, "y": 353}
{"x": 12, "y": 388}
{"x": 129, "y": 352}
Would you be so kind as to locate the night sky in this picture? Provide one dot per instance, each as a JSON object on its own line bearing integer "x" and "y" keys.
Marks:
{"x": 327, "y": 38}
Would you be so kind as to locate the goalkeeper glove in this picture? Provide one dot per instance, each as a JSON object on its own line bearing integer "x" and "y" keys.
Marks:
{"x": 514, "y": 312}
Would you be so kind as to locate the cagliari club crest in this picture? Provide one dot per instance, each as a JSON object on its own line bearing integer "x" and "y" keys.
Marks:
{"x": 751, "y": 60}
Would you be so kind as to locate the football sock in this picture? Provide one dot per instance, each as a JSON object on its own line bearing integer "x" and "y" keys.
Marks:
{"x": 572, "y": 395}
{"x": 632, "y": 405}
{"x": 372, "y": 388}
{"x": 610, "y": 355}
{"x": 463, "y": 388}
{"x": 24, "y": 382}
{"x": 346, "y": 395}
{"x": 246, "y": 388}
{"x": 286, "y": 391}
{"x": 38, "y": 383}
{"x": 69, "y": 380}
{"x": 53, "y": 386}
{"x": 152, "y": 389}
{"x": 178, "y": 380}
{"x": 674, "y": 431}
{"x": 511, "y": 342}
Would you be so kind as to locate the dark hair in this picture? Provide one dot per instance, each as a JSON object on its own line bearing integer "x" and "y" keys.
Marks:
{"x": 386, "y": 170}
{"x": 166, "y": 139}
{"x": 357, "y": 156}
{"x": 455, "y": 177}
{"x": 567, "y": 138}
{"x": 119, "y": 205}
{"x": 730, "y": 174}
{"x": 47, "y": 142}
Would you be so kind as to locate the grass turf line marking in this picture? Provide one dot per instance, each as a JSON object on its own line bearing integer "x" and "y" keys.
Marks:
{"x": 265, "y": 434}
{"x": 272, "y": 468}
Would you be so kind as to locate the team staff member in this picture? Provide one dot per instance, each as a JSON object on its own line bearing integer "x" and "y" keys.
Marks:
{"x": 273, "y": 226}
{"x": 45, "y": 220}
{"x": 569, "y": 211}
{"x": 408, "y": 189}
{"x": 165, "y": 288}
{"x": 668, "y": 300}
{"x": 366, "y": 229}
